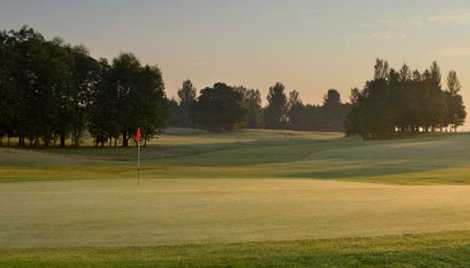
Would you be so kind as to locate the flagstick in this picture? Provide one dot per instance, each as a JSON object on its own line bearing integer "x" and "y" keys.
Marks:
{"x": 138, "y": 163}
{"x": 138, "y": 138}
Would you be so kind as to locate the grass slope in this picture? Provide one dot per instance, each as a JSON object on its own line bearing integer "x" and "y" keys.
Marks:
{"x": 431, "y": 159}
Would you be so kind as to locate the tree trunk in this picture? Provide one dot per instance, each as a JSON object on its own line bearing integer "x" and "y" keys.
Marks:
{"x": 46, "y": 142}
{"x": 125, "y": 140}
{"x": 21, "y": 141}
{"x": 76, "y": 135}
{"x": 62, "y": 140}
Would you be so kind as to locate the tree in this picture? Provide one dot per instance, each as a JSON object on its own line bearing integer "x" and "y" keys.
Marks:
{"x": 296, "y": 111}
{"x": 404, "y": 103}
{"x": 220, "y": 107}
{"x": 139, "y": 96}
{"x": 127, "y": 96}
{"x": 275, "y": 114}
{"x": 124, "y": 72}
{"x": 333, "y": 111}
{"x": 455, "y": 108}
{"x": 150, "y": 102}
{"x": 21, "y": 81}
{"x": 252, "y": 104}
{"x": 40, "y": 75}
{"x": 355, "y": 119}
{"x": 381, "y": 69}
{"x": 103, "y": 122}
{"x": 187, "y": 96}
{"x": 173, "y": 113}
{"x": 50, "y": 90}
{"x": 86, "y": 75}
{"x": 8, "y": 96}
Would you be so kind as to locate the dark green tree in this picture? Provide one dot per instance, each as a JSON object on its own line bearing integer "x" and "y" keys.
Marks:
{"x": 455, "y": 108}
{"x": 296, "y": 111}
{"x": 333, "y": 111}
{"x": 150, "y": 102}
{"x": 103, "y": 122}
{"x": 187, "y": 96}
{"x": 404, "y": 103}
{"x": 220, "y": 108}
{"x": 86, "y": 76}
{"x": 124, "y": 83}
{"x": 252, "y": 103}
{"x": 275, "y": 114}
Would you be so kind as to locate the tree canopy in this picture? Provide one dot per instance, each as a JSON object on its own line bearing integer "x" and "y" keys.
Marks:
{"x": 220, "y": 107}
{"x": 54, "y": 91}
{"x": 402, "y": 102}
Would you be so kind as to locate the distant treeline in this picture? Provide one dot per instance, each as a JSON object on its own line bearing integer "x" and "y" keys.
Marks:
{"x": 224, "y": 107}
{"x": 405, "y": 102}
{"x": 51, "y": 92}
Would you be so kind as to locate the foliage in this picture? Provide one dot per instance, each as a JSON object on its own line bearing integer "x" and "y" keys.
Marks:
{"x": 252, "y": 103}
{"x": 275, "y": 114}
{"x": 404, "y": 103}
{"x": 220, "y": 107}
{"x": 280, "y": 113}
{"x": 50, "y": 90}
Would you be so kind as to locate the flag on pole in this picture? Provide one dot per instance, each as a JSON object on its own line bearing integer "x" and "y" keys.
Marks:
{"x": 138, "y": 135}
{"x": 138, "y": 138}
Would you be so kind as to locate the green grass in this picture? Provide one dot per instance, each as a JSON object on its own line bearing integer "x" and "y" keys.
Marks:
{"x": 431, "y": 159}
{"x": 247, "y": 198}
{"x": 101, "y": 213}
{"x": 451, "y": 249}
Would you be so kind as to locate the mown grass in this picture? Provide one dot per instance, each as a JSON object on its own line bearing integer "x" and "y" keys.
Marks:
{"x": 430, "y": 159}
{"x": 100, "y": 213}
{"x": 205, "y": 199}
{"x": 450, "y": 249}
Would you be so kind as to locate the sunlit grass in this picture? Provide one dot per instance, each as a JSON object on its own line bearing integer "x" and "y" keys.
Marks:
{"x": 248, "y": 198}
{"x": 436, "y": 159}
{"x": 451, "y": 249}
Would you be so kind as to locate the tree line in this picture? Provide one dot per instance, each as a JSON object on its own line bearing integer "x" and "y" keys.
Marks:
{"x": 224, "y": 107}
{"x": 405, "y": 102}
{"x": 51, "y": 91}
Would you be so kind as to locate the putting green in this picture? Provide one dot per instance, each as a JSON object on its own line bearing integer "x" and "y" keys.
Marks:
{"x": 118, "y": 213}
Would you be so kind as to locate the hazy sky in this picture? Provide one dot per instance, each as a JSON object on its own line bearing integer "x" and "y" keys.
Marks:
{"x": 308, "y": 45}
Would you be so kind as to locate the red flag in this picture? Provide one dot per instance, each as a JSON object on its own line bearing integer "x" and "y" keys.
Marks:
{"x": 138, "y": 135}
